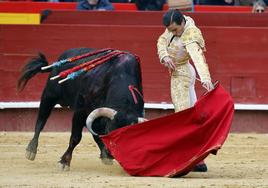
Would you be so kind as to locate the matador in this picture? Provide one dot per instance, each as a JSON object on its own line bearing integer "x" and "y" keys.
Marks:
{"x": 180, "y": 42}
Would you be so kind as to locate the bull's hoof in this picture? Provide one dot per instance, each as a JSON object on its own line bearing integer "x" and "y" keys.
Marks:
{"x": 63, "y": 167}
{"x": 107, "y": 161}
{"x": 31, "y": 150}
{"x": 30, "y": 155}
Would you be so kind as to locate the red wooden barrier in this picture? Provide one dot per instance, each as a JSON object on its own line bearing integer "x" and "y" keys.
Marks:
{"x": 36, "y": 7}
{"x": 154, "y": 18}
{"x": 60, "y": 120}
{"x": 236, "y": 57}
{"x": 105, "y": 17}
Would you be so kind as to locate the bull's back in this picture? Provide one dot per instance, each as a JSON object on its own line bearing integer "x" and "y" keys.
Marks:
{"x": 95, "y": 85}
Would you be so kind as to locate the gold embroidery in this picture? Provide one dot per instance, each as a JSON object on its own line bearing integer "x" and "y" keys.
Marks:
{"x": 180, "y": 83}
{"x": 192, "y": 34}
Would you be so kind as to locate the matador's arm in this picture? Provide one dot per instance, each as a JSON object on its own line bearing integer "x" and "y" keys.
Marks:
{"x": 194, "y": 43}
{"x": 162, "y": 43}
{"x": 198, "y": 58}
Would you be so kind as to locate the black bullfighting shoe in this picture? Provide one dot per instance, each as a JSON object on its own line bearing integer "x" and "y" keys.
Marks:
{"x": 201, "y": 167}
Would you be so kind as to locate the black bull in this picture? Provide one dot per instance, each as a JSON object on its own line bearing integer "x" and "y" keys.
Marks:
{"x": 107, "y": 85}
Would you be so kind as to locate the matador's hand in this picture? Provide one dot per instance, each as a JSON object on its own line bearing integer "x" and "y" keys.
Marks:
{"x": 208, "y": 85}
{"x": 167, "y": 61}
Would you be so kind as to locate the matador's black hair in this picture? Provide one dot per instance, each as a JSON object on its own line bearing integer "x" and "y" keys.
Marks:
{"x": 173, "y": 15}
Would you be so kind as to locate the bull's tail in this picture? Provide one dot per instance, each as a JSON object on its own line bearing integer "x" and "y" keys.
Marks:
{"x": 31, "y": 69}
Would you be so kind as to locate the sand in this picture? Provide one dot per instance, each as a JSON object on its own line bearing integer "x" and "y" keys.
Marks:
{"x": 242, "y": 162}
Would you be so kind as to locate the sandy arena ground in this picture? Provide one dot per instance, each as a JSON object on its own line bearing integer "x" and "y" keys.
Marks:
{"x": 242, "y": 162}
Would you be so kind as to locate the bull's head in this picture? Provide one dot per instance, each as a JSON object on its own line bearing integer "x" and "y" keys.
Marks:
{"x": 117, "y": 120}
{"x": 109, "y": 113}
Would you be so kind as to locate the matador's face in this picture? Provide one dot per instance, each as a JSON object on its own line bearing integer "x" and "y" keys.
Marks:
{"x": 176, "y": 29}
{"x": 92, "y": 2}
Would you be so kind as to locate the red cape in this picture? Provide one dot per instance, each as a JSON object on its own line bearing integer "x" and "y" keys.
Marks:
{"x": 174, "y": 144}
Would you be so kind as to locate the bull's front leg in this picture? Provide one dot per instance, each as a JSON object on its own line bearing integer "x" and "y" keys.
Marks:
{"x": 65, "y": 161}
{"x": 78, "y": 122}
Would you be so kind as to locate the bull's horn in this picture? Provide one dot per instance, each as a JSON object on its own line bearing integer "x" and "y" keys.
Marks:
{"x": 141, "y": 119}
{"x": 99, "y": 112}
